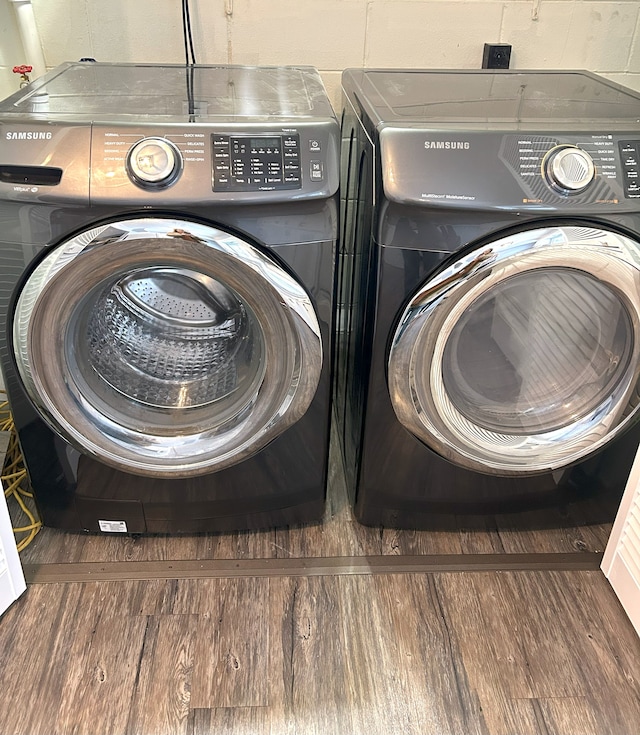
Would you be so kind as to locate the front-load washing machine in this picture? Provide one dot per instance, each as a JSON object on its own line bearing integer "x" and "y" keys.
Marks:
{"x": 489, "y": 293}
{"x": 166, "y": 292}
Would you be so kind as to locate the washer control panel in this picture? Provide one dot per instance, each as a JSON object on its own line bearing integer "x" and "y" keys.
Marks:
{"x": 256, "y": 162}
{"x": 231, "y": 162}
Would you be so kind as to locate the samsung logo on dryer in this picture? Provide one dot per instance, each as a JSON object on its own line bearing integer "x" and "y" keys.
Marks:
{"x": 29, "y": 135}
{"x": 448, "y": 145}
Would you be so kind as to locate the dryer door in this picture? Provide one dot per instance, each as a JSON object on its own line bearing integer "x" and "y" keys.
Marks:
{"x": 166, "y": 348}
{"x": 524, "y": 355}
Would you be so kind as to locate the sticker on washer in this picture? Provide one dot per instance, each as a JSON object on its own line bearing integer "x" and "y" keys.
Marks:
{"x": 113, "y": 526}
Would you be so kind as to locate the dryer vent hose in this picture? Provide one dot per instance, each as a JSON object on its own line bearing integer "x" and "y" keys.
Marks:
{"x": 16, "y": 483}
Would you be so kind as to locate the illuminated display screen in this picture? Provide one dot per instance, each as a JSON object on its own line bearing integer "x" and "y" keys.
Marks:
{"x": 264, "y": 142}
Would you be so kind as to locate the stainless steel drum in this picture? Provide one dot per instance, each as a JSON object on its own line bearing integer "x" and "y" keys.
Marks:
{"x": 169, "y": 337}
{"x": 166, "y": 348}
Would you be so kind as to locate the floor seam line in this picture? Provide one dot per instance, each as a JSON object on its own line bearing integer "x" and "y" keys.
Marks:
{"x": 307, "y": 566}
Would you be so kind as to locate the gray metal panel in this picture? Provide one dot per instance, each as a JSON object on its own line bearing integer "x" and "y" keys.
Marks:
{"x": 110, "y": 182}
{"x": 485, "y": 170}
{"x": 483, "y": 99}
{"x": 124, "y": 92}
{"x": 44, "y": 144}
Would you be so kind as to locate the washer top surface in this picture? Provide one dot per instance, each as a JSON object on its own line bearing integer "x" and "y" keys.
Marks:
{"x": 508, "y": 99}
{"x": 103, "y": 92}
{"x": 170, "y": 134}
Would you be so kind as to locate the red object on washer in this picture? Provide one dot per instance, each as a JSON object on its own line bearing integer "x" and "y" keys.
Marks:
{"x": 23, "y": 69}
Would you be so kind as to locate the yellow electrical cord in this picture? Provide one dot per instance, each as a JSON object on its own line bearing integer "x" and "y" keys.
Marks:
{"x": 15, "y": 480}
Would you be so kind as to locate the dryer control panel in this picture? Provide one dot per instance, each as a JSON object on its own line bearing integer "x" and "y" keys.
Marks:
{"x": 582, "y": 167}
{"x": 629, "y": 153}
{"x": 563, "y": 172}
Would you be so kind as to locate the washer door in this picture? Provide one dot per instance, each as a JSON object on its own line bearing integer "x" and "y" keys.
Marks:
{"x": 166, "y": 348}
{"x": 523, "y": 356}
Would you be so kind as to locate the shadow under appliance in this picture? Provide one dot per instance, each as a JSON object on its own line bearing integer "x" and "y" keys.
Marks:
{"x": 489, "y": 293}
{"x": 166, "y": 284}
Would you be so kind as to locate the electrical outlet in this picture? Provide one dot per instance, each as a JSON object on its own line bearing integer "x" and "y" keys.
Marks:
{"x": 496, "y": 56}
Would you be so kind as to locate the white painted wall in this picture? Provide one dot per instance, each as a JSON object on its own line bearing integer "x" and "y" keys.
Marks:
{"x": 599, "y": 35}
{"x": 11, "y": 53}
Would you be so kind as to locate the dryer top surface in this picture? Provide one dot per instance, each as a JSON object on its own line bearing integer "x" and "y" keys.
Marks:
{"x": 481, "y": 99}
{"x": 103, "y": 92}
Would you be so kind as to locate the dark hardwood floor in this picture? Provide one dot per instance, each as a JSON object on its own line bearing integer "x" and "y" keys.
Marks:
{"x": 332, "y": 629}
{"x": 468, "y": 652}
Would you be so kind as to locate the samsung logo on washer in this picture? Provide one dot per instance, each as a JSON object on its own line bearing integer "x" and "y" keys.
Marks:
{"x": 448, "y": 145}
{"x": 29, "y": 135}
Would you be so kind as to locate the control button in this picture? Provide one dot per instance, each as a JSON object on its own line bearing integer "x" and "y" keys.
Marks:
{"x": 568, "y": 169}
{"x": 314, "y": 146}
{"x": 316, "y": 170}
{"x": 630, "y": 167}
{"x": 154, "y": 163}
{"x": 258, "y": 162}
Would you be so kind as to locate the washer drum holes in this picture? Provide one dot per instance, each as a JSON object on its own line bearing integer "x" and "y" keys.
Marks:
{"x": 166, "y": 348}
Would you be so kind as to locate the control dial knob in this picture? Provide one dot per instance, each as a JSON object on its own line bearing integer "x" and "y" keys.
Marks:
{"x": 568, "y": 169}
{"x": 154, "y": 163}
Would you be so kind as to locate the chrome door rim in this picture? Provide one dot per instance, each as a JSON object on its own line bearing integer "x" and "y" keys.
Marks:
{"x": 419, "y": 397}
{"x": 292, "y": 342}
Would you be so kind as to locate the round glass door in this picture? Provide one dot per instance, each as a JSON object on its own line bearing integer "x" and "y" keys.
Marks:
{"x": 524, "y": 356}
{"x": 166, "y": 348}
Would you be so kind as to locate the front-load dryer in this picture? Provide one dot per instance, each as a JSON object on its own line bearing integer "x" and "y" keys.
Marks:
{"x": 489, "y": 293}
{"x": 166, "y": 293}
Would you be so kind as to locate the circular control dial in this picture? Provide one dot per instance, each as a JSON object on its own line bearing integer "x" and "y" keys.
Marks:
{"x": 154, "y": 163}
{"x": 569, "y": 169}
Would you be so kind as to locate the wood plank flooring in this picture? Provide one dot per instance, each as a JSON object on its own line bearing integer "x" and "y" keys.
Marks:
{"x": 330, "y": 629}
{"x": 509, "y": 653}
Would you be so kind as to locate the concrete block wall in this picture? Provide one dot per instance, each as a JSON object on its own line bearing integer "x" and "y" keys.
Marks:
{"x": 11, "y": 53}
{"x": 599, "y": 35}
